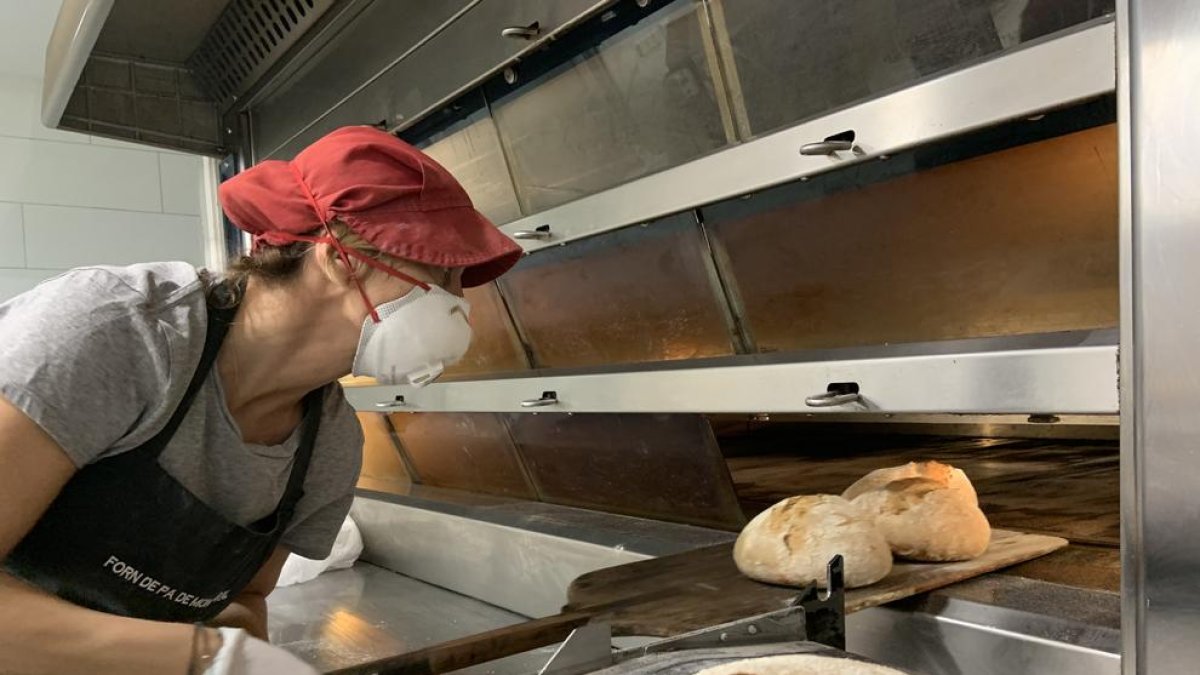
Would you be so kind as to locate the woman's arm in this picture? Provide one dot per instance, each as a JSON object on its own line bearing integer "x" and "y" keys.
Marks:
{"x": 249, "y": 609}
{"x": 40, "y": 633}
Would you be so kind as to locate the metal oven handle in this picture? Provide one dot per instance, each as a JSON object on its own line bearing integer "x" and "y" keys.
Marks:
{"x": 838, "y": 142}
{"x": 541, "y": 233}
{"x": 522, "y": 32}
{"x": 826, "y": 147}
{"x": 397, "y": 402}
{"x": 547, "y": 398}
{"x": 830, "y": 399}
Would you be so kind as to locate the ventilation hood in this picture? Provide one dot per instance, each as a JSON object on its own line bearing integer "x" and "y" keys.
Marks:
{"x": 166, "y": 73}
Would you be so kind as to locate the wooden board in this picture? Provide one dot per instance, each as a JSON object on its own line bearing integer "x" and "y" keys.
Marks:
{"x": 674, "y": 594}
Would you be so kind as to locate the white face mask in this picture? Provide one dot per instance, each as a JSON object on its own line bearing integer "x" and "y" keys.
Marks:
{"x": 417, "y": 336}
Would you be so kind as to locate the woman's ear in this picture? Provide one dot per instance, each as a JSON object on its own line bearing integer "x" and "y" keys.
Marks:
{"x": 333, "y": 266}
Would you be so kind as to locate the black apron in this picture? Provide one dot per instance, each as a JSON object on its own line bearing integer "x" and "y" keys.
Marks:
{"x": 124, "y": 537}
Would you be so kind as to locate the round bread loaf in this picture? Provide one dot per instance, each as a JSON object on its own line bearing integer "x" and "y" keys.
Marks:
{"x": 927, "y": 511}
{"x": 799, "y": 664}
{"x": 792, "y": 542}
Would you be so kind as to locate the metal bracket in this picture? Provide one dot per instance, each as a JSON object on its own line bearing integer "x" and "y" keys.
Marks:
{"x": 587, "y": 648}
{"x": 825, "y": 610}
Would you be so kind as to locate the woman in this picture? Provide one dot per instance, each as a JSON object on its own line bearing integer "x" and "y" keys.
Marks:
{"x": 167, "y": 439}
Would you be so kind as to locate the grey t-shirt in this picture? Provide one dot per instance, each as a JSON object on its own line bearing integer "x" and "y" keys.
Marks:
{"x": 100, "y": 357}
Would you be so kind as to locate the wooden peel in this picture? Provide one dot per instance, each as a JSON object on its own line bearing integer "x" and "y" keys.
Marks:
{"x": 674, "y": 594}
{"x": 706, "y": 587}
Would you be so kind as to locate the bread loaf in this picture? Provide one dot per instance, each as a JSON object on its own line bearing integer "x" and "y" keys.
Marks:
{"x": 792, "y": 542}
{"x": 927, "y": 511}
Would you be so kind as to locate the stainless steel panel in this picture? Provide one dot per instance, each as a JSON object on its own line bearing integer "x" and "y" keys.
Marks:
{"x": 1074, "y": 67}
{"x": 246, "y": 41}
{"x": 1160, "y": 61}
{"x": 1056, "y": 380}
{"x": 350, "y": 617}
{"x": 495, "y": 347}
{"x": 610, "y": 530}
{"x": 617, "y": 463}
{"x": 441, "y": 66}
{"x": 1018, "y": 626}
{"x": 790, "y": 61}
{"x": 142, "y": 28}
{"x": 638, "y": 295}
{"x": 74, "y": 34}
{"x": 382, "y": 32}
{"x": 1021, "y": 240}
{"x": 518, "y": 570}
{"x": 642, "y": 101}
{"x": 465, "y": 451}
{"x": 471, "y": 151}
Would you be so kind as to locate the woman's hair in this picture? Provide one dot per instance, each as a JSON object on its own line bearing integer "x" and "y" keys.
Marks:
{"x": 278, "y": 264}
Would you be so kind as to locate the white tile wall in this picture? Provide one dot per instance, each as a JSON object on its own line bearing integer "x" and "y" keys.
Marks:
{"x": 180, "y": 175}
{"x": 62, "y": 237}
{"x": 12, "y": 236}
{"x": 21, "y": 109}
{"x": 52, "y": 172}
{"x": 67, "y": 199}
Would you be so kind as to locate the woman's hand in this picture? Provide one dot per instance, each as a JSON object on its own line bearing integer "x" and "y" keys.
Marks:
{"x": 241, "y": 654}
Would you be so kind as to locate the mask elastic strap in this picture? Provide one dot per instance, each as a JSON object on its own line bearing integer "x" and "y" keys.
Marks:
{"x": 345, "y": 253}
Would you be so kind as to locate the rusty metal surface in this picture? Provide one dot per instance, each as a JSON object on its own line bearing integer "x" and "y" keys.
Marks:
{"x": 1061, "y": 488}
{"x": 463, "y": 451}
{"x": 383, "y": 466}
{"x": 654, "y": 466}
{"x": 1023, "y": 240}
{"x": 635, "y": 295}
{"x": 494, "y": 344}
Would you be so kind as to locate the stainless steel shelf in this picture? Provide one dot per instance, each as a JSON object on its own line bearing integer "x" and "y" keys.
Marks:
{"x": 1067, "y": 69}
{"x": 1079, "y": 379}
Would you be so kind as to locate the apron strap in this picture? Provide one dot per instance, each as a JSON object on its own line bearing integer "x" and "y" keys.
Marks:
{"x": 218, "y": 322}
{"x": 313, "y": 402}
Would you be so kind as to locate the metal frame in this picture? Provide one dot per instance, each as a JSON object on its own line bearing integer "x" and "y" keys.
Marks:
{"x": 1048, "y": 74}
{"x": 1160, "y": 176}
{"x": 1068, "y": 380}
{"x": 212, "y": 218}
{"x": 75, "y": 33}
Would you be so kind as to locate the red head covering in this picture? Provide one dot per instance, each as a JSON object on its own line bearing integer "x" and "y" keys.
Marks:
{"x": 391, "y": 194}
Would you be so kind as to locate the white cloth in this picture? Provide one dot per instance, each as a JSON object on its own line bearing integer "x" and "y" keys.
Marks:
{"x": 346, "y": 549}
{"x": 241, "y": 654}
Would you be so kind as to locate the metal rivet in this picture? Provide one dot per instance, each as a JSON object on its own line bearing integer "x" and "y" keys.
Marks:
{"x": 510, "y": 76}
{"x": 803, "y": 179}
{"x": 752, "y": 629}
{"x": 884, "y": 158}
{"x": 724, "y": 637}
{"x": 643, "y": 3}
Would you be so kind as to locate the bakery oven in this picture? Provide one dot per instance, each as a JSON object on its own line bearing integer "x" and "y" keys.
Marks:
{"x": 771, "y": 247}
